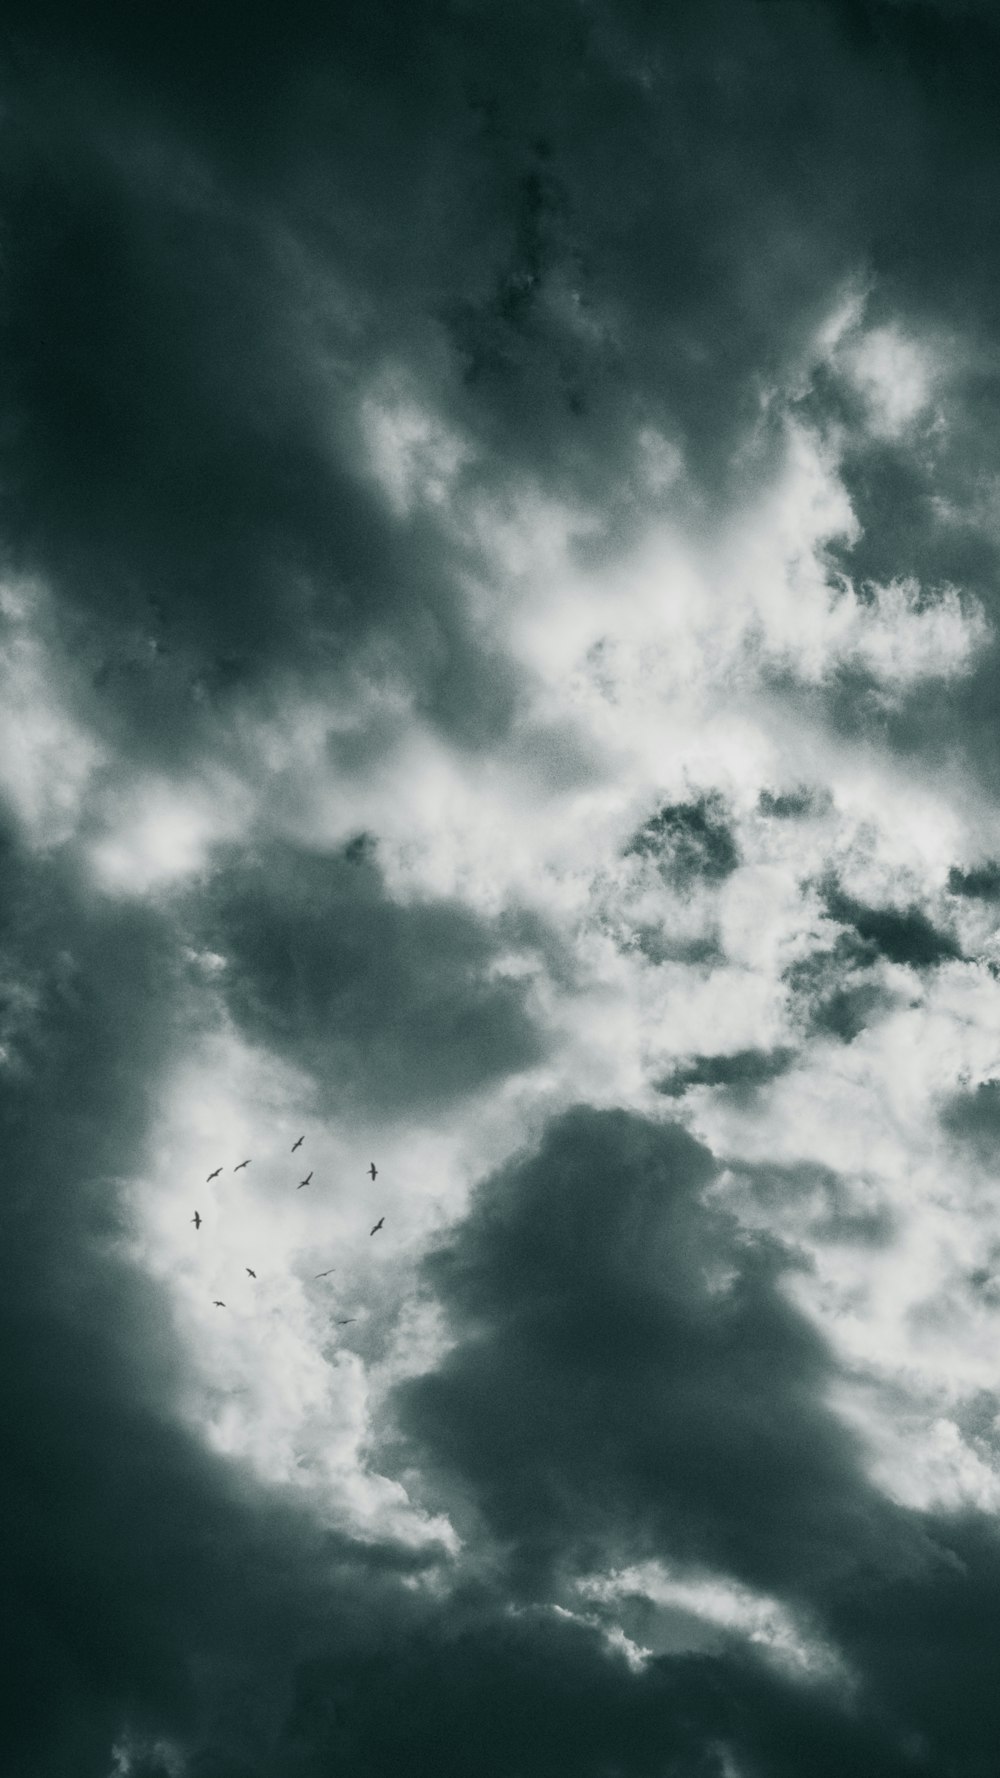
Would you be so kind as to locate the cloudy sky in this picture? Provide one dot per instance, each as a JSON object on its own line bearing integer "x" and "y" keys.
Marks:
{"x": 499, "y": 663}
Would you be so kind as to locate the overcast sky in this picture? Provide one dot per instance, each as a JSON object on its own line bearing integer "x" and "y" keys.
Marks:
{"x": 499, "y": 667}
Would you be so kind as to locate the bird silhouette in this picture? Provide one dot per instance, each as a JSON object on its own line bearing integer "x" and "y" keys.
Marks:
{"x": 216, "y": 1304}
{"x": 241, "y": 1166}
{"x": 196, "y": 1219}
{"x": 346, "y": 1320}
{"x": 214, "y": 1175}
{"x": 303, "y": 1182}
{"x": 373, "y": 1170}
{"x": 249, "y": 1273}
{"x": 298, "y": 1144}
{"x": 328, "y": 1274}
{"x": 378, "y": 1225}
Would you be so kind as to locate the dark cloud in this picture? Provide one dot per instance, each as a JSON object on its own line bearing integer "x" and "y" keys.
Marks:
{"x": 790, "y": 805}
{"x": 742, "y": 1072}
{"x": 901, "y": 935}
{"x": 385, "y": 1003}
{"x": 823, "y": 1200}
{"x": 171, "y": 472}
{"x": 564, "y": 225}
{"x": 974, "y": 1118}
{"x": 983, "y": 881}
{"x": 612, "y": 1395}
{"x": 535, "y": 1696}
{"x": 689, "y": 841}
{"x": 209, "y": 257}
{"x": 153, "y": 1591}
{"x": 559, "y": 260}
{"x": 836, "y": 991}
{"x": 142, "y": 1579}
{"x": 628, "y": 1381}
{"x": 925, "y": 1644}
{"x": 848, "y": 1011}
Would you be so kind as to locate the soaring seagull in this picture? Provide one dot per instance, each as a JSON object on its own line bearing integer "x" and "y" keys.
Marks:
{"x": 328, "y": 1274}
{"x": 249, "y": 1273}
{"x": 216, "y": 1303}
{"x": 196, "y": 1219}
{"x": 378, "y": 1225}
{"x": 303, "y": 1182}
{"x": 346, "y": 1322}
{"x": 214, "y": 1175}
{"x": 242, "y": 1164}
{"x": 373, "y": 1170}
{"x": 298, "y": 1144}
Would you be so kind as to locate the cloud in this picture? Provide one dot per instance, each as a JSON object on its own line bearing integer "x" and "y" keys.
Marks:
{"x": 605, "y": 1395}
{"x": 742, "y": 1072}
{"x": 115, "y": 1504}
{"x": 498, "y": 664}
{"x": 893, "y": 376}
{"x": 692, "y": 840}
{"x": 398, "y": 1006}
{"x": 982, "y": 881}
{"x": 710, "y": 1600}
{"x": 786, "y": 805}
{"x": 974, "y": 1117}
{"x": 905, "y": 936}
{"x": 49, "y": 757}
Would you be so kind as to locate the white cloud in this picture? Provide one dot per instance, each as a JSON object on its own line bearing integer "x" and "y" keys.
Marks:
{"x": 130, "y": 1748}
{"x": 921, "y": 1459}
{"x": 902, "y": 637}
{"x": 722, "y": 1605}
{"x": 413, "y": 454}
{"x": 894, "y": 374}
{"x": 274, "y": 1382}
{"x": 156, "y": 832}
{"x": 47, "y": 756}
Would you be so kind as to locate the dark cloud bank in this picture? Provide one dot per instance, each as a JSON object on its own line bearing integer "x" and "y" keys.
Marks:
{"x": 627, "y": 1379}
{"x": 569, "y": 224}
{"x": 390, "y": 1004}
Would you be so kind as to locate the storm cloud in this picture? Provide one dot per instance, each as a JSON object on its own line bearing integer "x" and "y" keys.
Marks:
{"x": 397, "y": 1004}
{"x": 498, "y": 669}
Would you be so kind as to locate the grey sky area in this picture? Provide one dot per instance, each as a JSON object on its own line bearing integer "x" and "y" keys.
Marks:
{"x": 499, "y": 871}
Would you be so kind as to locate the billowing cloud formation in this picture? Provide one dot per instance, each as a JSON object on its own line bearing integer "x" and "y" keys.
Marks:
{"x": 498, "y": 663}
{"x": 625, "y": 1351}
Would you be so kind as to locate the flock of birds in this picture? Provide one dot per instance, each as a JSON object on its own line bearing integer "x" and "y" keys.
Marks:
{"x": 217, "y": 1302}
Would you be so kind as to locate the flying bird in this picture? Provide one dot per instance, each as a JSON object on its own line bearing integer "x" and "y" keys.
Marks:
{"x": 378, "y": 1225}
{"x": 303, "y": 1182}
{"x": 373, "y": 1170}
{"x": 241, "y": 1166}
{"x": 216, "y": 1303}
{"x": 196, "y": 1219}
{"x": 328, "y": 1274}
{"x": 346, "y": 1322}
{"x": 249, "y": 1273}
{"x": 214, "y": 1175}
{"x": 298, "y": 1144}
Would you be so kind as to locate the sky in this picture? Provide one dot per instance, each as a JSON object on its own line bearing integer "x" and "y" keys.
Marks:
{"x": 499, "y": 672}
